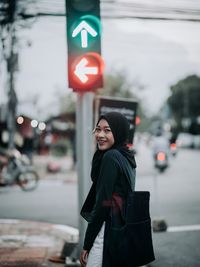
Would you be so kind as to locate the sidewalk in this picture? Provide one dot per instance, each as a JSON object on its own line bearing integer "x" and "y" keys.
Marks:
{"x": 29, "y": 243}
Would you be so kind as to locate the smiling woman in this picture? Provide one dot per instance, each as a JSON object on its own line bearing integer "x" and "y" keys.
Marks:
{"x": 109, "y": 189}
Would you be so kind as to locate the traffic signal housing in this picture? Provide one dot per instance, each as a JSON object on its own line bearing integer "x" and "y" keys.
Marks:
{"x": 85, "y": 65}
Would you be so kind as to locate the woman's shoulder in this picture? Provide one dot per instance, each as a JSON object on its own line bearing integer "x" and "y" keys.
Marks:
{"x": 111, "y": 154}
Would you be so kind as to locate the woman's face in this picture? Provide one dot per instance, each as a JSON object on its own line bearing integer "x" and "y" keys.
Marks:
{"x": 103, "y": 135}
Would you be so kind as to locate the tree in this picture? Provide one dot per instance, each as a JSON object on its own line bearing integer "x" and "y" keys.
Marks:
{"x": 116, "y": 84}
{"x": 67, "y": 103}
{"x": 184, "y": 104}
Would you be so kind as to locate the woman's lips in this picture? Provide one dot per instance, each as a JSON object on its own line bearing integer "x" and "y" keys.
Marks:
{"x": 101, "y": 142}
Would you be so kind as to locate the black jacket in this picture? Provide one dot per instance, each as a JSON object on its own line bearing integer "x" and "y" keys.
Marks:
{"x": 111, "y": 190}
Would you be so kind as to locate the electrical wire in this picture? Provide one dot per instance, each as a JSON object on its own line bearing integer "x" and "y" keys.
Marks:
{"x": 182, "y": 10}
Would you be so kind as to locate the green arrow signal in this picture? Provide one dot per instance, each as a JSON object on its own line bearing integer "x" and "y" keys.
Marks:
{"x": 84, "y": 29}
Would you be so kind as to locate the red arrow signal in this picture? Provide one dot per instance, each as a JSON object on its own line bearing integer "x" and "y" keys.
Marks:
{"x": 82, "y": 69}
{"x": 86, "y": 72}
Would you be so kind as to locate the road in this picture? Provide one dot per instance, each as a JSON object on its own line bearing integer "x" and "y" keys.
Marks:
{"x": 175, "y": 197}
{"x": 53, "y": 201}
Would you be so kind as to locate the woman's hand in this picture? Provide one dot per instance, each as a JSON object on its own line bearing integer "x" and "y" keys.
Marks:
{"x": 83, "y": 258}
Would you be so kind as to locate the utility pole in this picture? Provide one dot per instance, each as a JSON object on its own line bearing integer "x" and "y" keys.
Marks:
{"x": 11, "y": 68}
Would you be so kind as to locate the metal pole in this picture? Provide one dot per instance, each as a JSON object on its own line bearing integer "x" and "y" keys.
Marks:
{"x": 84, "y": 146}
{"x": 12, "y": 98}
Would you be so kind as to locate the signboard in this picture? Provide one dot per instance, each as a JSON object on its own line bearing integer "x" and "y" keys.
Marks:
{"x": 122, "y": 105}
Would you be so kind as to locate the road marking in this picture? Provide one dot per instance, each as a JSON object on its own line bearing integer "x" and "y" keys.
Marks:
{"x": 184, "y": 228}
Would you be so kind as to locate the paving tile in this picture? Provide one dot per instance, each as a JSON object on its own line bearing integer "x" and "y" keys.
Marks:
{"x": 22, "y": 254}
{"x": 29, "y": 243}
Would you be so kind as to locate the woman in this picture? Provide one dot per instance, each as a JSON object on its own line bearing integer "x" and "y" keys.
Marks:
{"x": 109, "y": 190}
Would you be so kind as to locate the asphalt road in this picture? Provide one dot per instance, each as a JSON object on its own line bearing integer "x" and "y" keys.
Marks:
{"x": 175, "y": 197}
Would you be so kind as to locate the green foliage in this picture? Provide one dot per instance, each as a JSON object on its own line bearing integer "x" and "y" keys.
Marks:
{"x": 67, "y": 103}
{"x": 184, "y": 100}
{"x": 117, "y": 84}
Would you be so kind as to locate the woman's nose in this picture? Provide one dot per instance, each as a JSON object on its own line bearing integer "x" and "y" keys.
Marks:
{"x": 101, "y": 134}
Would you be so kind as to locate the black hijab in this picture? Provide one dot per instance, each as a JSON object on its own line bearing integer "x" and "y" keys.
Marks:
{"x": 120, "y": 129}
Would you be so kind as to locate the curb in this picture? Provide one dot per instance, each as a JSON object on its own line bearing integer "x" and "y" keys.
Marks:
{"x": 25, "y": 243}
{"x": 33, "y": 233}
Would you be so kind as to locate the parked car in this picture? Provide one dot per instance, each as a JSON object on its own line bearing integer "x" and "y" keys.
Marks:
{"x": 185, "y": 140}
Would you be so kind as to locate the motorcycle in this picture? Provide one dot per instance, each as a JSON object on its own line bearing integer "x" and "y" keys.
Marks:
{"x": 17, "y": 169}
{"x": 173, "y": 149}
{"x": 161, "y": 161}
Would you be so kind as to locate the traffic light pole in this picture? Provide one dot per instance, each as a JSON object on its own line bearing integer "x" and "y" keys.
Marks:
{"x": 85, "y": 74}
{"x": 84, "y": 147}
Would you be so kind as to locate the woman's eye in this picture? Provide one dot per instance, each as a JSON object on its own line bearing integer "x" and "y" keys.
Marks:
{"x": 106, "y": 131}
{"x": 97, "y": 130}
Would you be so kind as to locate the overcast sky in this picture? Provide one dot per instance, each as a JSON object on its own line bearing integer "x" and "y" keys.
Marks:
{"x": 156, "y": 53}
